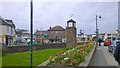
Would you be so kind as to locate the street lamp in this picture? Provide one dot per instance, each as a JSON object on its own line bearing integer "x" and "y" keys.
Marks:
{"x": 31, "y": 31}
{"x": 97, "y": 30}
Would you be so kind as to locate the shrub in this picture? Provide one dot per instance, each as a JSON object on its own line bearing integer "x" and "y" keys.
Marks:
{"x": 74, "y": 57}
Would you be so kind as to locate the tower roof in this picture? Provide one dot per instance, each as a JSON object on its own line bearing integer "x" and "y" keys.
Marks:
{"x": 71, "y": 20}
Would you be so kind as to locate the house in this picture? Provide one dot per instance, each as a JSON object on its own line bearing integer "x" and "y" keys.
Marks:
{"x": 111, "y": 34}
{"x": 82, "y": 38}
{"x": 52, "y": 35}
{"x": 7, "y": 32}
{"x": 22, "y": 36}
{"x": 26, "y": 36}
{"x": 56, "y": 34}
{"x": 41, "y": 36}
{"x": 18, "y": 35}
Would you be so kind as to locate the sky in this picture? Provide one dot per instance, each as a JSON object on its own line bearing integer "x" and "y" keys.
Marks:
{"x": 48, "y": 14}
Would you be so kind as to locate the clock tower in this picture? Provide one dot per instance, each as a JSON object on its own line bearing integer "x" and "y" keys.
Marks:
{"x": 71, "y": 33}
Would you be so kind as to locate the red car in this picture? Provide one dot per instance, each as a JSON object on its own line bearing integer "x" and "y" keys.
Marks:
{"x": 107, "y": 42}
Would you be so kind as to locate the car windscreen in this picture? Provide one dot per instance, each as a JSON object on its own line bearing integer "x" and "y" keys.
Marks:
{"x": 107, "y": 40}
{"x": 117, "y": 42}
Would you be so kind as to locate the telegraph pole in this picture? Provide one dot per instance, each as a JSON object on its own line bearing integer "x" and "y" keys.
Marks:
{"x": 31, "y": 31}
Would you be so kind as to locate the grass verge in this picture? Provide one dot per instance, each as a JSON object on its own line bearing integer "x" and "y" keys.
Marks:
{"x": 23, "y": 58}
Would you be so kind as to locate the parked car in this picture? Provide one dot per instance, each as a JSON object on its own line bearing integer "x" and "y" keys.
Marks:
{"x": 111, "y": 48}
{"x": 107, "y": 42}
{"x": 117, "y": 52}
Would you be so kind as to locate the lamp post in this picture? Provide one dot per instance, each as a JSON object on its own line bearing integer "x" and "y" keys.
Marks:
{"x": 97, "y": 30}
{"x": 31, "y": 31}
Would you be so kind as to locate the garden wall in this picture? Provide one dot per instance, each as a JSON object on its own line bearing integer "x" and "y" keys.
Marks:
{"x": 12, "y": 49}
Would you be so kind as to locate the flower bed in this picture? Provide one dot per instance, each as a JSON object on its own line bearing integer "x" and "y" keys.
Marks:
{"x": 73, "y": 57}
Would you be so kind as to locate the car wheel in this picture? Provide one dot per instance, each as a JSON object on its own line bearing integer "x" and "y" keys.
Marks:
{"x": 109, "y": 50}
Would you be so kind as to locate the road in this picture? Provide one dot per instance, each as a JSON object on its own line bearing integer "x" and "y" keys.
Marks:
{"x": 102, "y": 57}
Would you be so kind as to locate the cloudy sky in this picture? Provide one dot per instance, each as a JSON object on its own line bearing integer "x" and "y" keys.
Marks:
{"x": 48, "y": 14}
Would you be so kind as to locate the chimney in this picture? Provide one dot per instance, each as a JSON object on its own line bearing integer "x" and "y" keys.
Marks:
{"x": 36, "y": 30}
{"x": 50, "y": 27}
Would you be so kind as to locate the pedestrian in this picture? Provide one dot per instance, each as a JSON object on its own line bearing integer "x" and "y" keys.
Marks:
{"x": 99, "y": 41}
{"x": 117, "y": 52}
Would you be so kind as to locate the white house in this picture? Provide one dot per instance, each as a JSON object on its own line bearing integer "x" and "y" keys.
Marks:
{"x": 26, "y": 36}
{"x": 7, "y": 32}
{"x": 111, "y": 34}
{"x": 22, "y": 37}
{"x": 82, "y": 38}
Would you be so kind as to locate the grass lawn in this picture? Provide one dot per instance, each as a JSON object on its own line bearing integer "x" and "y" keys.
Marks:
{"x": 0, "y": 60}
{"x": 23, "y": 59}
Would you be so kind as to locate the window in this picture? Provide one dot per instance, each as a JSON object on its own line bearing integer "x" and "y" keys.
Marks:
{"x": 70, "y": 24}
{"x": 56, "y": 32}
{"x": 7, "y": 29}
{"x": 109, "y": 34}
{"x": 11, "y": 32}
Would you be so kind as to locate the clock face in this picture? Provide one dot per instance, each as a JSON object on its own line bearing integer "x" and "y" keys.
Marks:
{"x": 70, "y": 24}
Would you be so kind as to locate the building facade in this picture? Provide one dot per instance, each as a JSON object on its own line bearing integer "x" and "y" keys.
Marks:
{"x": 83, "y": 38}
{"x": 41, "y": 36}
{"x": 111, "y": 35}
{"x": 7, "y": 32}
{"x": 57, "y": 34}
{"x": 22, "y": 36}
{"x": 52, "y": 35}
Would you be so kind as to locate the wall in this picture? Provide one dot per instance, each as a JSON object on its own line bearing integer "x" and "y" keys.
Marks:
{"x": 0, "y": 33}
{"x": 13, "y": 49}
{"x": 71, "y": 36}
{"x": 3, "y": 31}
{"x": 0, "y": 30}
{"x": 5, "y": 28}
{"x": 57, "y": 34}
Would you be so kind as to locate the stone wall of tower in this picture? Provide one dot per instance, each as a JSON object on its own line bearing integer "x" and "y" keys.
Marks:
{"x": 71, "y": 37}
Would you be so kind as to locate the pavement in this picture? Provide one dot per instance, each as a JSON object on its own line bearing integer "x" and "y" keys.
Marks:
{"x": 102, "y": 57}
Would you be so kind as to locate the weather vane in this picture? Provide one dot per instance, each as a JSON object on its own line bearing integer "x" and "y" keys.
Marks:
{"x": 71, "y": 15}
